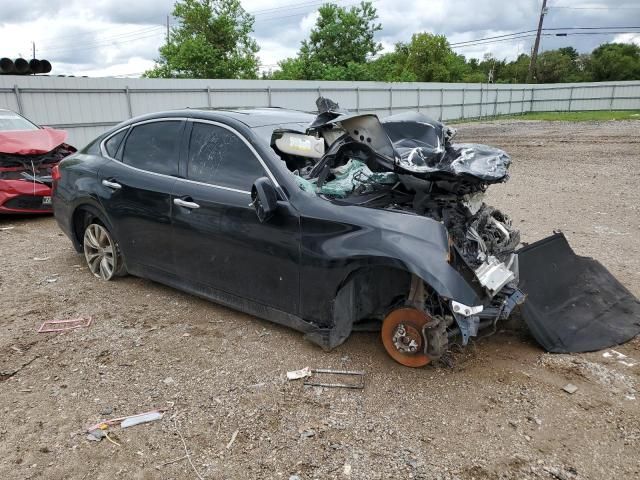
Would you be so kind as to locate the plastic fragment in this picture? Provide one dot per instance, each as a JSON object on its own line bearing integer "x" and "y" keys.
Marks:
{"x": 63, "y": 325}
{"x": 296, "y": 374}
{"x": 142, "y": 418}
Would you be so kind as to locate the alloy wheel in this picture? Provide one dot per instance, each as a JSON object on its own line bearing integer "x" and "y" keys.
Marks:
{"x": 101, "y": 252}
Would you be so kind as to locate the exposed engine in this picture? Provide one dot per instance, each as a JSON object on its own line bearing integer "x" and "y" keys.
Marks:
{"x": 408, "y": 163}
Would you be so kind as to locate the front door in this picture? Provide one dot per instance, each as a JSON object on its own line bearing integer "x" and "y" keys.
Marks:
{"x": 219, "y": 241}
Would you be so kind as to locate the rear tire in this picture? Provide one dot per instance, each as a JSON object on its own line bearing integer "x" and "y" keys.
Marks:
{"x": 101, "y": 252}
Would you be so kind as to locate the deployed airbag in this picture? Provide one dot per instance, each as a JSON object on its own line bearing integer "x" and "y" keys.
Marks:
{"x": 573, "y": 303}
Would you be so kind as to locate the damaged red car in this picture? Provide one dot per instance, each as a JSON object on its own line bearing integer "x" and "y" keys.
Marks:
{"x": 28, "y": 155}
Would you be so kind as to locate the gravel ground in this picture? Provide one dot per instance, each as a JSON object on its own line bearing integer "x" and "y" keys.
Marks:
{"x": 499, "y": 412}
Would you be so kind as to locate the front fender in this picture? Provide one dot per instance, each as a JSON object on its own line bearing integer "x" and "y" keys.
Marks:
{"x": 365, "y": 237}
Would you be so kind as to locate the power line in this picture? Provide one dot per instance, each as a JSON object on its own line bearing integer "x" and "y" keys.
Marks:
{"x": 544, "y": 30}
{"x": 596, "y": 8}
{"x": 107, "y": 44}
{"x": 521, "y": 37}
{"x": 108, "y": 39}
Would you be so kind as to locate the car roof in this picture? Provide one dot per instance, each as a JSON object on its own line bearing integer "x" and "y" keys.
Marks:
{"x": 257, "y": 117}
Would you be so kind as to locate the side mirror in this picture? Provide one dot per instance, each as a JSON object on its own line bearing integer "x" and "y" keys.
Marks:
{"x": 264, "y": 198}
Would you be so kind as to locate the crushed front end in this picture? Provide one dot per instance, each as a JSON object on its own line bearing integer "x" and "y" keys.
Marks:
{"x": 409, "y": 164}
{"x": 25, "y": 170}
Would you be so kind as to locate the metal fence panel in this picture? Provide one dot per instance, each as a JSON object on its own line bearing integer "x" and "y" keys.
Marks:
{"x": 87, "y": 107}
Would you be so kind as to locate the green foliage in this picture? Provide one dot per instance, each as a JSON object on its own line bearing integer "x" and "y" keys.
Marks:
{"x": 212, "y": 41}
{"x": 342, "y": 36}
{"x": 431, "y": 59}
{"x": 615, "y": 61}
{"x": 338, "y": 48}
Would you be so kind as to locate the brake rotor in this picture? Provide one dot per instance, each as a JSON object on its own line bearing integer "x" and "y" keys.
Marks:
{"x": 402, "y": 336}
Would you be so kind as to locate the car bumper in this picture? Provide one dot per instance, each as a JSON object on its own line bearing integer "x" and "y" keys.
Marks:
{"x": 19, "y": 196}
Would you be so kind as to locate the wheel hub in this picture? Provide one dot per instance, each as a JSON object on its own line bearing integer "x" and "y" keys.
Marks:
{"x": 406, "y": 339}
{"x": 402, "y": 336}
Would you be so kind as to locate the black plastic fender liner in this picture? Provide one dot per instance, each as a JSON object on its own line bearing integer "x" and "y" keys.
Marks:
{"x": 573, "y": 303}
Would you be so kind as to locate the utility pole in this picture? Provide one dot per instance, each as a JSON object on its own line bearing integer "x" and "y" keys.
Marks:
{"x": 167, "y": 29}
{"x": 33, "y": 45}
{"x": 536, "y": 45}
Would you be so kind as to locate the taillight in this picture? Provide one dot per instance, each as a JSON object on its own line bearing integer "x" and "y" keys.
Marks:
{"x": 55, "y": 172}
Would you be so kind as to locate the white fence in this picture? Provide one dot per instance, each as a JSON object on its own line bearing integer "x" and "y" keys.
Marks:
{"x": 87, "y": 107}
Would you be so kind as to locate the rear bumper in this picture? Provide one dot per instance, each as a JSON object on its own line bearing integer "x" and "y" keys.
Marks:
{"x": 19, "y": 196}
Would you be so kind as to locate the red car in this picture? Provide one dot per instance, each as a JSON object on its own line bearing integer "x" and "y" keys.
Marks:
{"x": 28, "y": 154}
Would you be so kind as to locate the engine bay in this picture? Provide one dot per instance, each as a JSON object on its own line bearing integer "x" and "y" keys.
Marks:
{"x": 408, "y": 163}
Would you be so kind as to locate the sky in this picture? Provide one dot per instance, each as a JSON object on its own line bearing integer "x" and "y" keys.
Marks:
{"x": 121, "y": 37}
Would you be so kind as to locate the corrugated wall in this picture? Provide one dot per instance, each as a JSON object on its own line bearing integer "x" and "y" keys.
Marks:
{"x": 88, "y": 106}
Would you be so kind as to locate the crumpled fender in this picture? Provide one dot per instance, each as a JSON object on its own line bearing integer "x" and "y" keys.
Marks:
{"x": 419, "y": 245}
{"x": 366, "y": 237}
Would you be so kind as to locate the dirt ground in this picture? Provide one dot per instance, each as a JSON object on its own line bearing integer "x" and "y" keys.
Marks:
{"x": 499, "y": 412}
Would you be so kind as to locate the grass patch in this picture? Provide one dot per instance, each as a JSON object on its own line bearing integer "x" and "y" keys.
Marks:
{"x": 599, "y": 115}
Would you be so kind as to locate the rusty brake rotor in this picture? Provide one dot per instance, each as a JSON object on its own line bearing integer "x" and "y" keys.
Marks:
{"x": 402, "y": 336}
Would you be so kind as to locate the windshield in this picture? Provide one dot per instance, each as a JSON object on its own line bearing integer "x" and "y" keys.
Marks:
{"x": 13, "y": 121}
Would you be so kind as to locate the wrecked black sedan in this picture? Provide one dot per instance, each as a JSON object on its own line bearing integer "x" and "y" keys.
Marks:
{"x": 331, "y": 223}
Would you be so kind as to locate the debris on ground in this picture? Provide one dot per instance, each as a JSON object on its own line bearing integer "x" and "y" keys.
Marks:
{"x": 64, "y": 325}
{"x": 621, "y": 358}
{"x": 297, "y": 374}
{"x": 233, "y": 439}
{"x": 142, "y": 418}
{"x": 570, "y": 388}
{"x": 100, "y": 430}
{"x": 328, "y": 371}
{"x": 41, "y": 259}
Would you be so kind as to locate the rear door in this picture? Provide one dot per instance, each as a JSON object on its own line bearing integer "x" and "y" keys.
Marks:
{"x": 136, "y": 190}
{"x": 219, "y": 240}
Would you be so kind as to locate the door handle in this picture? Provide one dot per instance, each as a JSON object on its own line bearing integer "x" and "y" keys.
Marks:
{"x": 184, "y": 203}
{"x": 114, "y": 185}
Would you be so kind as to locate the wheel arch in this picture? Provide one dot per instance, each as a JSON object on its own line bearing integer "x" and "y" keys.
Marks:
{"x": 82, "y": 216}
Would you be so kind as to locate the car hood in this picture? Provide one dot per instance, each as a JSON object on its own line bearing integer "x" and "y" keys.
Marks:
{"x": 412, "y": 143}
{"x": 31, "y": 142}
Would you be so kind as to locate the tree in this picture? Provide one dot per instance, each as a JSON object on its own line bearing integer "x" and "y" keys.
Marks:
{"x": 554, "y": 66}
{"x": 212, "y": 41}
{"x": 430, "y": 59}
{"x": 516, "y": 71}
{"x": 341, "y": 42}
{"x": 615, "y": 61}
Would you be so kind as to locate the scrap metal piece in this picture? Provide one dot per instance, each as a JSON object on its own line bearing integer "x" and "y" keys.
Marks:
{"x": 465, "y": 310}
{"x": 328, "y": 371}
{"x": 468, "y": 326}
{"x": 296, "y": 374}
{"x": 493, "y": 275}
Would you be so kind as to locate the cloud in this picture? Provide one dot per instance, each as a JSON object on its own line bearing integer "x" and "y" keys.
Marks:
{"x": 108, "y": 37}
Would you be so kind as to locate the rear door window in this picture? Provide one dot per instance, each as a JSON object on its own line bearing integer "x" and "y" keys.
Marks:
{"x": 219, "y": 157}
{"x": 154, "y": 147}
